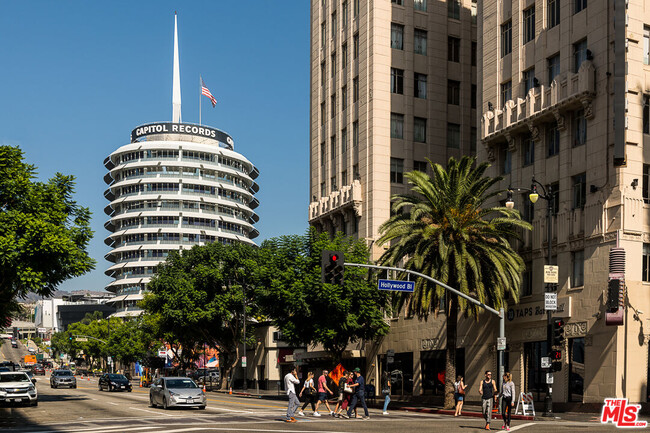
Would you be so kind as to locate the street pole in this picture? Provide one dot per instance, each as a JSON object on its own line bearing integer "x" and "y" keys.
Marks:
{"x": 548, "y": 400}
{"x": 244, "y": 331}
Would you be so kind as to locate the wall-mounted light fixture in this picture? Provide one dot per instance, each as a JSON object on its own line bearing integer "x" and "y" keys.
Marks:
{"x": 490, "y": 106}
{"x": 635, "y": 183}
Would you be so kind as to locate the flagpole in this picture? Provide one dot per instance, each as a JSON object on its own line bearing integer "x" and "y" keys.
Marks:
{"x": 200, "y": 93}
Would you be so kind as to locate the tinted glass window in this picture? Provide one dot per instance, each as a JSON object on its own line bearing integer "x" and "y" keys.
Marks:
{"x": 15, "y": 377}
{"x": 116, "y": 377}
{"x": 180, "y": 384}
{"x": 62, "y": 373}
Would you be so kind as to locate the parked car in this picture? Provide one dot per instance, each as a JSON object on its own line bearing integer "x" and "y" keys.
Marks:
{"x": 114, "y": 382}
{"x": 16, "y": 387}
{"x": 176, "y": 392}
{"x": 38, "y": 369}
{"x": 61, "y": 378}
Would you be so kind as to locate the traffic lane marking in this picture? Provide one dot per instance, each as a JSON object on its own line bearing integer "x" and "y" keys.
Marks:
{"x": 150, "y": 411}
{"x": 521, "y": 426}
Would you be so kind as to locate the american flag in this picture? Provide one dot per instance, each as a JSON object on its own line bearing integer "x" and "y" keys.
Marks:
{"x": 206, "y": 92}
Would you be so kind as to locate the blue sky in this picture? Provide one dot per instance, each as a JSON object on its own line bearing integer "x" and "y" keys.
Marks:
{"x": 77, "y": 76}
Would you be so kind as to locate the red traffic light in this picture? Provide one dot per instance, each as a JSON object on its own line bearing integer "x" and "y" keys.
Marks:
{"x": 558, "y": 322}
{"x": 334, "y": 257}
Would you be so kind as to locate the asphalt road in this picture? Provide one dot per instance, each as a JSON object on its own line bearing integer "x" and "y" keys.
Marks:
{"x": 86, "y": 410}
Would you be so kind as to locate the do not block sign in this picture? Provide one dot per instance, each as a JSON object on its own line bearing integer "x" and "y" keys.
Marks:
{"x": 396, "y": 285}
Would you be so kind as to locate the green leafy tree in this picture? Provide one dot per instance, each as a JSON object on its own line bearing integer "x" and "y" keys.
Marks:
{"x": 309, "y": 312}
{"x": 443, "y": 229}
{"x": 44, "y": 233}
{"x": 197, "y": 297}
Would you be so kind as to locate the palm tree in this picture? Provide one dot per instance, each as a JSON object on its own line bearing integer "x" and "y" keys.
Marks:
{"x": 443, "y": 230}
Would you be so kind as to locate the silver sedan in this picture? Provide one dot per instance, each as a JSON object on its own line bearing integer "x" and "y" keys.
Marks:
{"x": 176, "y": 392}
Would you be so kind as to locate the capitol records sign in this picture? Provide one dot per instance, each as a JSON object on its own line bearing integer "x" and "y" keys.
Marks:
{"x": 534, "y": 311}
{"x": 182, "y": 128}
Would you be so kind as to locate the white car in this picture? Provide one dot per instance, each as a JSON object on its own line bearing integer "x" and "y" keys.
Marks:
{"x": 16, "y": 387}
{"x": 31, "y": 350}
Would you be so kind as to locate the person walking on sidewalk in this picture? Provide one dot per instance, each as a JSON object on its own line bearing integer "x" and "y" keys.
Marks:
{"x": 385, "y": 390}
{"x": 487, "y": 388}
{"x": 507, "y": 395}
{"x": 323, "y": 390}
{"x": 310, "y": 393}
{"x": 459, "y": 394}
{"x": 359, "y": 394}
{"x": 341, "y": 397}
{"x": 290, "y": 380}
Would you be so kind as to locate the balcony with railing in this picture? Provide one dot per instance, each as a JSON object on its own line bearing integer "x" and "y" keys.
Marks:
{"x": 349, "y": 195}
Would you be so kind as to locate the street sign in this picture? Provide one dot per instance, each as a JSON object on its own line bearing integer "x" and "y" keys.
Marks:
{"x": 81, "y": 339}
{"x": 501, "y": 343}
{"x": 546, "y": 362}
{"x": 550, "y": 301}
{"x": 162, "y": 354}
{"x": 42, "y": 330}
{"x": 551, "y": 274}
{"x": 549, "y": 378}
{"x": 243, "y": 361}
{"x": 396, "y": 285}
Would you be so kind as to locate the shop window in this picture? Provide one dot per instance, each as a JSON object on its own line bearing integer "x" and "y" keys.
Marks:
{"x": 534, "y": 375}
{"x": 576, "y": 369}
{"x": 433, "y": 370}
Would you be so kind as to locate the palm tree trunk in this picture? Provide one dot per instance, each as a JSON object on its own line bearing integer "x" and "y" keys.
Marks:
{"x": 450, "y": 358}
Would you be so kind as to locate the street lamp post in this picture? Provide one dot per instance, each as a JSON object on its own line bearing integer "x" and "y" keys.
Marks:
{"x": 244, "y": 331}
{"x": 548, "y": 195}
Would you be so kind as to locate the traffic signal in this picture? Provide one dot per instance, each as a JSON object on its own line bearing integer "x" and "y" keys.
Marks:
{"x": 613, "y": 294}
{"x": 555, "y": 355}
{"x": 557, "y": 332}
{"x": 70, "y": 338}
{"x": 332, "y": 267}
{"x": 556, "y": 366}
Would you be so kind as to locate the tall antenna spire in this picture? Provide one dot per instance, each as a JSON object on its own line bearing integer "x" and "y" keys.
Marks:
{"x": 176, "y": 93}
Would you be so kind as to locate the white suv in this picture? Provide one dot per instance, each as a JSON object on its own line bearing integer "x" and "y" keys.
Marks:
{"x": 15, "y": 386}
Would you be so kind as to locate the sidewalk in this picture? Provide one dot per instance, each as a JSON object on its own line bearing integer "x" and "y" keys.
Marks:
{"x": 469, "y": 410}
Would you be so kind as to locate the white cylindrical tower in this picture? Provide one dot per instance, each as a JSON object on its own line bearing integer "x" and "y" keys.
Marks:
{"x": 174, "y": 186}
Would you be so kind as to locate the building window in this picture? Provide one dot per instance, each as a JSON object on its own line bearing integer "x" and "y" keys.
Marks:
{"x": 396, "y": 170}
{"x": 528, "y": 147}
{"x": 579, "y": 54}
{"x": 323, "y": 189}
{"x": 579, "y": 5}
{"x": 396, "y": 125}
{"x": 529, "y": 80}
{"x": 474, "y": 53}
{"x": 355, "y": 48}
{"x": 420, "y": 90}
{"x": 552, "y": 139}
{"x": 555, "y": 190}
{"x": 356, "y": 175}
{"x": 506, "y": 92}
{"x": 578, "y": 266}
{"x": 527, "y": 278}
{"x": 397, "y": 36}
{"x": 356, "y": 8}
{"x": 646, "y": 114}
{"x": 323, "y": 113}
{"x": 355, "y": 134}
{"x": 453, "y": 135}
{"x": 506, "y": 160}
{"x": 344, "y": 140}
{"x": 344, "y": 178}
{"x": 323, "y": 34}
{"x": 553, "y": 63}
{"x": 646, "y": 45}
{"x": 333, "y": 149}
{"x": 474, "y": 11}
{"x": 553, "y": 13}
{"x": 322, "y": 153}
{"x": 333, "y": 105}
{"x": 334, "y": 66}
{"x": 473, "y": 138}
{"x": 420, "y": 5}
{"x": 579, "y": 128}
{"x": 529, "y": 24}
{"x": 420, "y": 166}
{"x": 344, "y": 21}
{"x": 646, "y": 262}
{"x": 344, "y": 98}
{"x": 355, "y": 89}
{"x": 528, "y": 211}
{"x": 323, "y": 77}
{"x": 646, "y": 183}
{"x": 397, "y": 81}
{"x": 453, "y": 49}
{"x": 398, "y": 2}
{"x": 334, "y": 25}
{"x": 333, "y": 183}
{"x": 420, "y": 42}
{"x": 419, "y": 130}
{"x": 453, "y": 9}
{"x": 473, "y": 96}
{"x": 579, "y": 190}
{"x": 344, "y": 56}
{"x": 506, "y": 38}
{"x": 453, "y": 92}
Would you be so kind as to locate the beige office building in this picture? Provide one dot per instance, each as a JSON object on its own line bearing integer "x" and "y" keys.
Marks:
{"x": 563, "y": 98}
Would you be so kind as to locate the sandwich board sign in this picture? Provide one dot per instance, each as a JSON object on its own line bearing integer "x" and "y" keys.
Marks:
{"x": 527, "y": 404}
